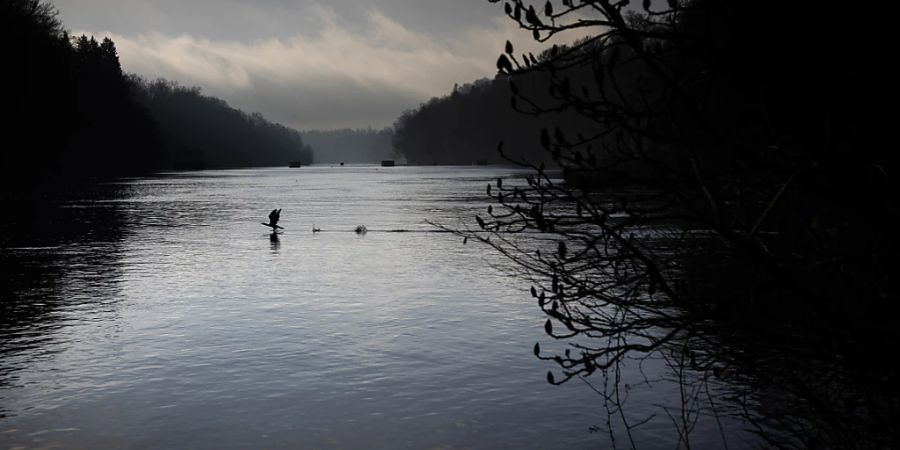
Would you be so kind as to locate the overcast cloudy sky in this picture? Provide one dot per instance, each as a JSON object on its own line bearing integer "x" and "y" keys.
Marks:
{"x": 306, "y": 63}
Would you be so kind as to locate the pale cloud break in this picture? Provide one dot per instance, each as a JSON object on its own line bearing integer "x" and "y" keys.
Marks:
{"x": 342, "y": 75}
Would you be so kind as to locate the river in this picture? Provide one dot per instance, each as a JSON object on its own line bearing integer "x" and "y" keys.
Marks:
{"x": 158, "y": 313}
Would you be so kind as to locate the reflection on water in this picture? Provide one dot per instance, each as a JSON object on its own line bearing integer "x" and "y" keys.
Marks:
{"x": 275, "y": 241}
{"x": 153, "y": 313}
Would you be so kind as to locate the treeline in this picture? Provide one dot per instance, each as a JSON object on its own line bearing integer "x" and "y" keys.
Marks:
{"x": 201, "y": 132}
{"x": 72, "y": 112}
{"x": 778, "y": 142}
{"x": 70, "y": 109}
{"x": 351, "y": 146}
{"x": 759, "y": 228}
{"x": 467, "y": 125}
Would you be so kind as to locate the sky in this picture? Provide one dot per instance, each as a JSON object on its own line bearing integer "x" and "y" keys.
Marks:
{"x": 304, "y": 63}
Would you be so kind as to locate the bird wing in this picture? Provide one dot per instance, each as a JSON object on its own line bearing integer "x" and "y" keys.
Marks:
{"x": 273, "y": 216}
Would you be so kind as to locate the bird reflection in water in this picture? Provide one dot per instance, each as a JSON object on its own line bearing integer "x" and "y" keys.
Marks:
{"x": 274, "y": 242}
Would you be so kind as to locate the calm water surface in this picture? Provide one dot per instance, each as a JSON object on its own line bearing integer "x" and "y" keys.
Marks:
{"x": 159, "y": 313}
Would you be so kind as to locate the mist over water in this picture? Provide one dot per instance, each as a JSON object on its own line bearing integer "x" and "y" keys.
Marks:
{"x": 158, "y": 312}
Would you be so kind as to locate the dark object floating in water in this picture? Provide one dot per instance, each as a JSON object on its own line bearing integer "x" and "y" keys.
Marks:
{"x": 273, "y": 219}
{"x": 361, "y": 229}
{"x": 342, "y": 164}
{"x": 316, "y": 230}
{"x": 387, "y": 163}
{"x": 294, "y": 164}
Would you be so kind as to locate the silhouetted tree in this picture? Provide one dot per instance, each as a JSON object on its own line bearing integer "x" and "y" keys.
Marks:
{"x": 115, "y": 134}
{"x": 71, "y": 112}
{"x": 739, "y": 170}
{"x": 465, "y": 126}
{"x": 199, "y": 131}
{"x": 38, "y": 89}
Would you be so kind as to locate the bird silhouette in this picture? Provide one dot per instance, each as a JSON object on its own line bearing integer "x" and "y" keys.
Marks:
{"x": 273, "y": 220}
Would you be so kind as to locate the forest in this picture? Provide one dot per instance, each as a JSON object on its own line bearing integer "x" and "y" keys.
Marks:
{"x": 77, "y": 114}
{"x": 202, "y": 132}
{"x": 468, "y": 125}
{"x": 727, "y": 202}
{"x": 465, "y": 127}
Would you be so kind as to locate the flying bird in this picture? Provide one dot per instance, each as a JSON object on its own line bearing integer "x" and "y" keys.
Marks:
{"x": 273, "y": 220}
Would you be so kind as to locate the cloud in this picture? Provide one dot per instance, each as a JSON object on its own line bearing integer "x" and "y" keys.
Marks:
{"x": 344, "y": 75}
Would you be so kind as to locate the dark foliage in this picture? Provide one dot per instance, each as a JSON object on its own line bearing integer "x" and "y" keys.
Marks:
{"x": 732, "y": 206}
{"x": 114, "y": 134}
{"x": 72, "y": 113}
{"x": 464, "y": 127}
{"x": 199, "y": 131}
{"x": 70, "y": 108}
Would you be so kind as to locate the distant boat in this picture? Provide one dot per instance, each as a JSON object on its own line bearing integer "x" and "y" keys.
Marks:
{"x": 387, "y": 163}
{"x": 294, "y": 164}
